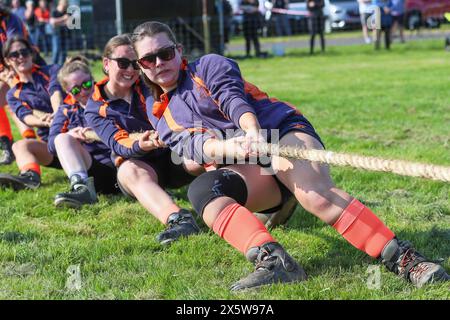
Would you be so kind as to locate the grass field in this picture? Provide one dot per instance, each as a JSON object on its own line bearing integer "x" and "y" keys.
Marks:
{"x": 388, "y": 104}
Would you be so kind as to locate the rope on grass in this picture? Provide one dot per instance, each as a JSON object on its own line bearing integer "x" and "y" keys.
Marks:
{"x": 400, "y": 167}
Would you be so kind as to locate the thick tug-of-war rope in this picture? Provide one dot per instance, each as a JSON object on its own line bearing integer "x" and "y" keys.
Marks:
{"x": 400, "y": 167}
{"x": 404, "y": 168}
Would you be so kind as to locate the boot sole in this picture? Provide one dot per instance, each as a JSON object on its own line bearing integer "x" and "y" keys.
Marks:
{"x": 67, "y": 203}
{"x": 10, "y": 181}
{"x": 304, "y": 277}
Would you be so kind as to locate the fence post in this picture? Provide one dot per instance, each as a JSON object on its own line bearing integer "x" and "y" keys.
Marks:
{"x": 119, "y": 17}
{"x": 219, "y": 4}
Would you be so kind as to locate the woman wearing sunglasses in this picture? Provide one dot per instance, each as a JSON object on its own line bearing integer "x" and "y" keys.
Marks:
{"x": 31, "y": 91}
{"x": 118, "y": 108}
{"x": 87, "y": 163}
{"x": 10, "y": 25}
{"x": 207, "y": 97}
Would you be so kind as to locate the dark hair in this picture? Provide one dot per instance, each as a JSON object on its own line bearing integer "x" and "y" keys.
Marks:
{"x": 113, "y": 43}
{"x": 7, "y": 46}
{"x": 73, "y": 64}
{"x": 149, "y": 29}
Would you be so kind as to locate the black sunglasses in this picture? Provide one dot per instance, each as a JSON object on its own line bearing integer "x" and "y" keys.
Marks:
{"x": 84, "y": 86}
{"x": 165, "y": 54}
{"x": 22, "y": 52}
{"x": 124, "y": 63}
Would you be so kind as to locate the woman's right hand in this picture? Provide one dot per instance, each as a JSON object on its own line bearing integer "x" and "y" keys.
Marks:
{"x": 149, "y": 141}
{"x": 77, "y": 133}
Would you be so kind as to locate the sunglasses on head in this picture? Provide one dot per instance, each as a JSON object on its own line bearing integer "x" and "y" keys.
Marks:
{"x": 22, "y": 52}
{"x": 166, "y": 54}
{"x": 84, "y": 86}
{"x": 124, "y": 63}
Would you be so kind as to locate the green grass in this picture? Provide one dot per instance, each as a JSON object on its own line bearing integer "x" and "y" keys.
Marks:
{"x": 388, "y": 104}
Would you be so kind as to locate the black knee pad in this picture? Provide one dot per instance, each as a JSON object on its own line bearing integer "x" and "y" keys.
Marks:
{"x": 215, "y": 184}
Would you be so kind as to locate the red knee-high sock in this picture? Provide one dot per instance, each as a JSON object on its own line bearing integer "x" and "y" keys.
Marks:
{"x": 31, "y": 166}
{"x": 240, "y": 228}
{"x": 5, "y": 127}
{"x": 363, "y": 229}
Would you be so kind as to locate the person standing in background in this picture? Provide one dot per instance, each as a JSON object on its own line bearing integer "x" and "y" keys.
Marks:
{"x": 386, "y": 23}
{"x": 58, "y": 20}
{"x": 398, "y": 18}
{"x": 42, "y": 15}
{"x": 282, "y": 26}
{"x": 316, "y": 23}
{"x": 18, "y": 9}
{"x": 30, "y": 20}
{"x": 251, "y": 25}
{"x": 365, "y": 11}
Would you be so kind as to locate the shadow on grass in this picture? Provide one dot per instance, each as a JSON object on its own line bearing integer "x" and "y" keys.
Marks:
{"x": 433, "y": 244}
{"x": 15, "y": 237}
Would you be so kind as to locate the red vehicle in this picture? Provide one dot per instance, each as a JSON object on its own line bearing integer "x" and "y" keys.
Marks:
{"x": 425, "y": 12}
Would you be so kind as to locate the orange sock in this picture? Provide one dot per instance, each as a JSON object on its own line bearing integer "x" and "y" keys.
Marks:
{"x": 29, "y": 134}
{"x": 31, "y": 166}
{"x": 5, "y": 127}
{"x": 363, "y": 229}
{"x": 240, "y": 228}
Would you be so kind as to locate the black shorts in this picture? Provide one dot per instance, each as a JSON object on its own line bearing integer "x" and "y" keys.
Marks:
{"x": 170, "y": 175}
{"x": 105, "y": 177}
{"x": 55, "y": 164}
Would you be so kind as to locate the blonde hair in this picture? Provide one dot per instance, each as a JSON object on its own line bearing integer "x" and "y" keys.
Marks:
{"x": 72, "y": 65}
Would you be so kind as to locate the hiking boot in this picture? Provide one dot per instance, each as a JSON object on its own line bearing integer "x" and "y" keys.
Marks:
{"x": 272, "y": 265}
{"x": 179, "y": 224}
{"x": 280, "y": 217}
{"x": 81, "y": 192}
{"x": 402, "y": 259}
{"x": 25, "y": 180}
{"x": 6, "y": 153}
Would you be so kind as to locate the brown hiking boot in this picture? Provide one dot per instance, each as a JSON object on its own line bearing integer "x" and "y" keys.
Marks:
{"x": 272, "y": 265}
{"x": 402, "y": 259}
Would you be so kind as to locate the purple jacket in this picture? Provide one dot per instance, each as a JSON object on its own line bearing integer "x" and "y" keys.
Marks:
{"x": 24, "y": 97}
{"x": 114, "y": 120}
{"x": 211, "y": 95}
{"x": 71, "y": 115}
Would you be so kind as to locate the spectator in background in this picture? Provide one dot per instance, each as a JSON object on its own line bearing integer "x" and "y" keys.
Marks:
{"x": 227, "y": 18}
{"x": 386, "y": 23}
{"x": 18, "y": 9}
{"x": 282, "y": 26}
{"x": 316, "y": 23}
{"x": 398, "y": 18}
{"x": 58, "y": 21}
{"x": 30, "y": 20}
{"x": 251, "y": 24}
{"x": 42, "y": 15}
{"x": 365, "y": 10}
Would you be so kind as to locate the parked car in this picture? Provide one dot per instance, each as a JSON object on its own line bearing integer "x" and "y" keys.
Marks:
{"x": 344, "y": 14}
{"x": 299, "y": 19}
{"x": 425, "y": 12}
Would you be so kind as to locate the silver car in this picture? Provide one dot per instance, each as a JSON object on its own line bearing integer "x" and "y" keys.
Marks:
{"x": 344, "y": 14}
